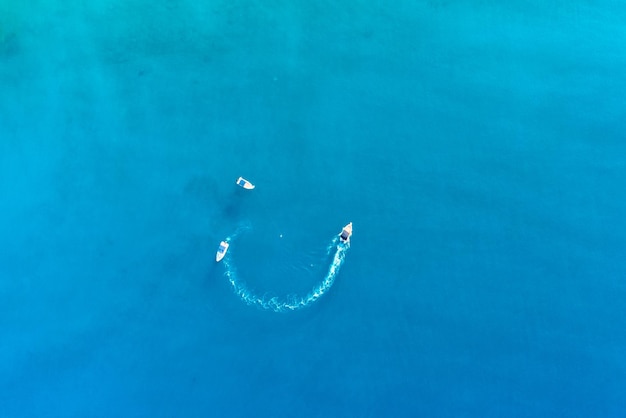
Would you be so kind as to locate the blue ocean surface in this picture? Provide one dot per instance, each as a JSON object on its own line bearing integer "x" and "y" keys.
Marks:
{"x": 478, "y": 147}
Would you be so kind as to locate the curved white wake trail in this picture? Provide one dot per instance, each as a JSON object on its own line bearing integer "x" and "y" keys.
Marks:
{"x": 239, "y": 230}
{"x": 290, "y": 303}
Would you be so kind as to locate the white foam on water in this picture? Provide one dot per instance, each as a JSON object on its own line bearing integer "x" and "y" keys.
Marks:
{"x": 291, "y": 302}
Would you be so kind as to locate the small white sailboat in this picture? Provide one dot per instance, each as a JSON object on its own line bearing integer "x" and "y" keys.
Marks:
{"x": 245, "y": 183}
{"x": 221, "y": 251}
{"x": 346, "y": 233}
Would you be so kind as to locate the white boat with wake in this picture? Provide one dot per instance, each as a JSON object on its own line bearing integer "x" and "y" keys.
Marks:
{"x": 221, "y": 251}
{"x": 245, "y": 183}
{"x": 346, "y": 233}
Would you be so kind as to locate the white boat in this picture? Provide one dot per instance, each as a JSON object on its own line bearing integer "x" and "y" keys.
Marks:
{"x": 244, "y": 183}
{"x": 221, "y": 251}
{"x": 346, "y": 233}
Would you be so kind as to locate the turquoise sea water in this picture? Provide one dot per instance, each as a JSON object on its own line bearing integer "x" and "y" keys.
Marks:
{"x": 478, "y": 148}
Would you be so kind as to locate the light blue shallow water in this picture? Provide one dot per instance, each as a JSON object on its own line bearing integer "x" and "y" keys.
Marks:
{"x": 478, "y": 148}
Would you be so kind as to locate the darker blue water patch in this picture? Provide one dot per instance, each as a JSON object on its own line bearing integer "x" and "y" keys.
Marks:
{"x": 9, "y": 45}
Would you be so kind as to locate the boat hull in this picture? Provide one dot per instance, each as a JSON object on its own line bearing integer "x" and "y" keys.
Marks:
{"x": 221, "y": 251}
{"x": 346, "y": 233}
{"x": 241, "y": 182}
